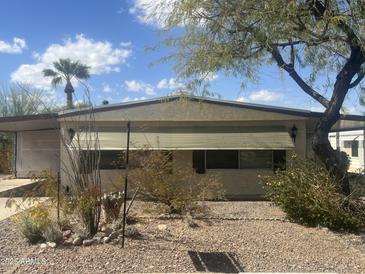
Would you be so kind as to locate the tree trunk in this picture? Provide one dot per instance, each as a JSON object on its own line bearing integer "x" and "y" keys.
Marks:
{"x": 334, "y": 161}
{"x": 69, "y": 90}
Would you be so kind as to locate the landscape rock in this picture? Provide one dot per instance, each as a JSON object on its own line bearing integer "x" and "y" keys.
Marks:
{"x": 106, "y": 240}
{"x": 67, "y": 233}
{"x": 114, "y": 235}
{"x": 97, "y": 239}
{"x": 43, "y": 245}
{"x": 51, "y": 244}
{"x": 88, "y": 242}
{"x": 77, "y": 241}
{"x": 107, "y": 231}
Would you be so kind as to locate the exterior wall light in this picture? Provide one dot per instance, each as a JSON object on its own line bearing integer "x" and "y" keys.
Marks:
{"x": 293, "y": 133}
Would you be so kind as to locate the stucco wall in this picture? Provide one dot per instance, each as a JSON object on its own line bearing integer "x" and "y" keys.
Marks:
{"x": 37, "y": 151}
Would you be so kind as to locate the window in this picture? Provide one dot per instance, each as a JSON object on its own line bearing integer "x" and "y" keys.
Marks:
{"x": 112, "y": 159}
{"x": 279, "y": 159}
{"x": 199, "y": 161}
{"x": 355, "y": 149}
{"x": 109, "y": 159}
{"x": 351, "y": 147}
{"x": 255, "y": 159}
{"x": 222, "y": 159}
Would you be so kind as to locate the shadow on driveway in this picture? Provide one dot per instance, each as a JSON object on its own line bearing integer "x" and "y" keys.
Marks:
{"x": 215, "y": 262}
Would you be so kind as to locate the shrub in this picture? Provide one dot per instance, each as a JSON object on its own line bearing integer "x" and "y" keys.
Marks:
{"x": 179, "y": 188}
{"x": 112, "y": 202}
{"x": 308, "y": 194}
{"x": 88, "y": 206}
{"x": 33, "y": 223}
{"x": 52, "y": 233}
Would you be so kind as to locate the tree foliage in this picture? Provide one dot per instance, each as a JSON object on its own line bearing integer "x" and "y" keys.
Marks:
{"x": 319, "y": 43}
{"x": 65, "y": 70}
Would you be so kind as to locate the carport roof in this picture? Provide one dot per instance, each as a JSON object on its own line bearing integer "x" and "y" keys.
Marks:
{"x": 29, "y": 122}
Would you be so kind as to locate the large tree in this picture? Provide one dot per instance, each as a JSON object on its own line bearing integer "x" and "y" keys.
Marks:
{"x": 64, "y": 71}
{"x": 239, "y": 37}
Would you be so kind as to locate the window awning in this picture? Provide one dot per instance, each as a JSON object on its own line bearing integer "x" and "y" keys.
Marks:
{"x": 186, "y": 141}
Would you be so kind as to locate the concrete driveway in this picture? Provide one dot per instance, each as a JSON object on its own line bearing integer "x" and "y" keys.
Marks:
{"x": 14, "y": 188}
{"x": 6, "y": 212}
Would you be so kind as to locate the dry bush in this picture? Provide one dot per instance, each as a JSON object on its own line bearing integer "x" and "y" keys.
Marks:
{"x": 112, "y": 203}
{"x": 308, "y": 193}
{"x": 179, "y": 188}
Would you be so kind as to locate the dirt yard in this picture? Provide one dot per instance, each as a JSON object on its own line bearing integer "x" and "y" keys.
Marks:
{"x": 240, "y": 237}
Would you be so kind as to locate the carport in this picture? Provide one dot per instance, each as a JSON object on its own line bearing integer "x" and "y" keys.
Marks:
{"x": 36, "y": 143}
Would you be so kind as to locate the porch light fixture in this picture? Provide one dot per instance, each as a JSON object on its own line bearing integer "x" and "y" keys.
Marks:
{"x": 71, "y": 133}
{"x": 293, "y": 133}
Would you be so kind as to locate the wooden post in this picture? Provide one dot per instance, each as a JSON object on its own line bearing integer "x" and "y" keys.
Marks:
{"x": 126, "y": 183}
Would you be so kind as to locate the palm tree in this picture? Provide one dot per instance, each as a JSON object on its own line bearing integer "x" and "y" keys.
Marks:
{"x": 64, "y": 71}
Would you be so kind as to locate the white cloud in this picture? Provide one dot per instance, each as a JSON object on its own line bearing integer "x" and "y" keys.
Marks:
{"x": 242, "y": 99}
{"x": 126, "y": 44}
{"x": 152, "y": 12}
{"x": 265, "y": 95}
{"x": 317, "y": 109}
{"x": 99, "y": 55}
{"x": 169, "y": 84}
{"x": 129, "y": 99}
{"x": 106, "y": 88}
{"x": 17, "y": 46}
{"x": 139, "y": 86}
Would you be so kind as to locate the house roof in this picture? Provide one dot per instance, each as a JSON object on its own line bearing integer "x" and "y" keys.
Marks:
{"x": 347, "y": 121}
{"x": 261, "y": 107}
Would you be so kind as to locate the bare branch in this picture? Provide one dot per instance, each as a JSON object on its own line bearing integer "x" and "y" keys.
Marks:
{"x": 295, "y": 76}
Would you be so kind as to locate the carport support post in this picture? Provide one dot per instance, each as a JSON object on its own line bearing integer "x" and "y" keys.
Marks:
{"x": 363, "y": 150}
{"x": 126, "y": 183}
{"x": 15, "y": 152}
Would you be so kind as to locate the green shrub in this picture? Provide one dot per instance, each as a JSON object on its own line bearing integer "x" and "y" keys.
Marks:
{"x": 308, "y": 194}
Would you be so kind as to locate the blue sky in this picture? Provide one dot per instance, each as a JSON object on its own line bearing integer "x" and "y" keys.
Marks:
{"x": 111, "y": 37}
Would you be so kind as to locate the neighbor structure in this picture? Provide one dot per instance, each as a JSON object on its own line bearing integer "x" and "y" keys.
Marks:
{"x": 351, "y": 142}
{"x": 235, "y": 141}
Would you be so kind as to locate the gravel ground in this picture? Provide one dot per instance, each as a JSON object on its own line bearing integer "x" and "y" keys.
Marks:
{"x": 215, "y": 245}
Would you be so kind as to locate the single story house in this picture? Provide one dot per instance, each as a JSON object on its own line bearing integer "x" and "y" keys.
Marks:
{"x": 233, "y": 140}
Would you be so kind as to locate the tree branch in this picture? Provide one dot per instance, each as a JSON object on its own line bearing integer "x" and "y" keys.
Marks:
{"x": 295, "y": 76}
{"x": 357, "y": 80}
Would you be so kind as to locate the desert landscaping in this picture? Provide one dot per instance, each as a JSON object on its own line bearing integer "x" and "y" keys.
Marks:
{"x": 232, "y": 237}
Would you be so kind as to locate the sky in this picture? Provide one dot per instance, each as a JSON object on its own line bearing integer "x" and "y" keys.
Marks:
{"x": 111, "y": 37}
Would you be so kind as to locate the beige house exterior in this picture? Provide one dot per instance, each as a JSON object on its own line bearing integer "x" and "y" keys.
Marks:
{"x": 234, "y": 141}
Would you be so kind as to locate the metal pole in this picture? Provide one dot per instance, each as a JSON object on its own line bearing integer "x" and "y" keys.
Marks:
{"x": 15, "y": 153}
{"x": 126, "y": 183}
{"x": 58, "y": 197}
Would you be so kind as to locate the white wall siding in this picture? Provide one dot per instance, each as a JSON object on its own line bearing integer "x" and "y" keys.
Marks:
{"x": 356, "y": 162}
